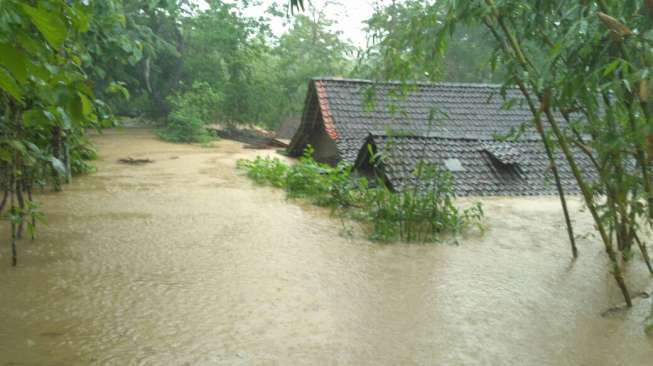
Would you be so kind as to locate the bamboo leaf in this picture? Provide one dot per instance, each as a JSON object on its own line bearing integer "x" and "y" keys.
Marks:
{"x": 614, "y": 25}
{"x": 611, "y": 67}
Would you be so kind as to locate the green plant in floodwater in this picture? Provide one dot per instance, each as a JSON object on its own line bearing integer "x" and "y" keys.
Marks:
{"x": 33, "y": 212}
{"x": 320, "y": 183}
{"x": 421, "y": 211}
{"x": 265, "y": 171}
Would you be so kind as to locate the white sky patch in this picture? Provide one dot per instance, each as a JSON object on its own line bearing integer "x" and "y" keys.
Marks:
{"x": 348, "y": 14}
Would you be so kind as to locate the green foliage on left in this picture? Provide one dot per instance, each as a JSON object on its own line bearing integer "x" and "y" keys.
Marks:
{"x": 47, "y": 99}
{"x": 46, "y": 103}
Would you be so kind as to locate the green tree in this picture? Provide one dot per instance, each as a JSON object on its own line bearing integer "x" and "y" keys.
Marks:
{"x": 222, "y": 47}
{"x": 464, "y": 60}
{"x": 309, "y": 49}
{"x": 133, "y": 48}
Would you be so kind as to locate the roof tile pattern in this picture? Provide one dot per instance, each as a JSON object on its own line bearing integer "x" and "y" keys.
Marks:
{"x": 446, "y": 110}
{"x": 481, "y": 175}
{"x": 505, "y": 152}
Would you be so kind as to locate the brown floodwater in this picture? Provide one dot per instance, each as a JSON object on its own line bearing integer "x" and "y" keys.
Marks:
{"x": 185, "y": 262}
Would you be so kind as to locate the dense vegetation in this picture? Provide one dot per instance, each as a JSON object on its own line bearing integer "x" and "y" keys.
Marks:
{"x": 422, "y": 211}
{"x": 584, "y": 70}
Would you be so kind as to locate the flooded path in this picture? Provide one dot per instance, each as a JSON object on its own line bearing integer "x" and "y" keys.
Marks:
{"x": 184, "y": 262}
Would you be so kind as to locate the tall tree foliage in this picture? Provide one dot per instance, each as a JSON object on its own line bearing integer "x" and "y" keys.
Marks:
{"x": 309, "y": 49}
{"x": 133, "y": 49}
{"x": 584, "y": 70}
{"x": 465, "y": 59}
{"x": 222, "y": 48}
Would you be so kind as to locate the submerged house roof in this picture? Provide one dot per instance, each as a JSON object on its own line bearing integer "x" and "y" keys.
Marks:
{"x": 478, "y": 167}
{"x": 339, "y": 107}
{"x": 448, "y": 124}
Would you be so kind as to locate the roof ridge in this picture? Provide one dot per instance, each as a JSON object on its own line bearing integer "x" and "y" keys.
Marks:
{"x": 410, "y": 82}
{"x": 446, "y": 137}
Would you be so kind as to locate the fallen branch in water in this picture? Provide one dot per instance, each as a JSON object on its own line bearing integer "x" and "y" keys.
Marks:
{"x": 132, "y": 161}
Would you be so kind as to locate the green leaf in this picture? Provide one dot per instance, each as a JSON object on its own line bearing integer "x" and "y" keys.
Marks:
{"x": 58, "y": 166}
{"x": 28, "y": 43}
{"x": 33, "y": 118}
{"x": 87, "y": 106}
{"x": 5, "y": 155}
{"x": 81, "y": 19}
{"x": 65, "y": 120}
{"x": 18, "y": 145}
{"x": 8, "y": 84}
{"x": 611, "y": 67}
{"x": 15, "y": 61}
{"x": 51, "y": 26}
{"x": 35, "y": 149}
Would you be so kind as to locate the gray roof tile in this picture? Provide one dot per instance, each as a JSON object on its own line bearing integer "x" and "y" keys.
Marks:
{"x": 482, "y": 174}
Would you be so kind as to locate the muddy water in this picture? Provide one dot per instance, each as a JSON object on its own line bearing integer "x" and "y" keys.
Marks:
{"x": 183, "y": 262}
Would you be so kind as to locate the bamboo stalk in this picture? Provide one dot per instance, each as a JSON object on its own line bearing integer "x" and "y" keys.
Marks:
{"x": 21, "y": 207}
{"x": 14, "y": 254}
{"x": 28, "y": 188}
{"x": 547, "y": 148}
{"x": 562, "y": 142}
{"x": 644, "y": 251}
{"x": 587, "y": 194}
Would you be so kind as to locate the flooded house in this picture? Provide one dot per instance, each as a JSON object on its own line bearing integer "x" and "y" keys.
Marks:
{"x": 481, "y": 133}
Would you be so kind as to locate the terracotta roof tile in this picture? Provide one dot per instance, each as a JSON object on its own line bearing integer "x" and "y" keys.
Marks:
{"x": 324, "y": 106}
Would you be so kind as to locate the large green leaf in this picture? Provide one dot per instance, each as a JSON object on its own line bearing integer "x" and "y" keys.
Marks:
{"x": 8, "y": 84}
{"x": 80, "y": 108}
{"x": 15, "y": 61}
{"x": 58, "y": 165}
{"x": 51, "y": 26}
{"x": 87, "y": 106}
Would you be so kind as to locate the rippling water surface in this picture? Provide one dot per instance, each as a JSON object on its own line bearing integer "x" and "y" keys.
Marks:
{"x": 184, "y": 262}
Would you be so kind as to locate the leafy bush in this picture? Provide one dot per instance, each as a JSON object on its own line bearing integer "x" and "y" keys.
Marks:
{"x": 419, "y": 212}
{"x": 192, "y": 110}
{"x": 320, "y": 183}
{"x": 265, "y": 171}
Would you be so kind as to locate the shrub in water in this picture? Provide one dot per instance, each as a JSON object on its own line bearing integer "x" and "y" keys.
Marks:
{"x": 421, "y": 211}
